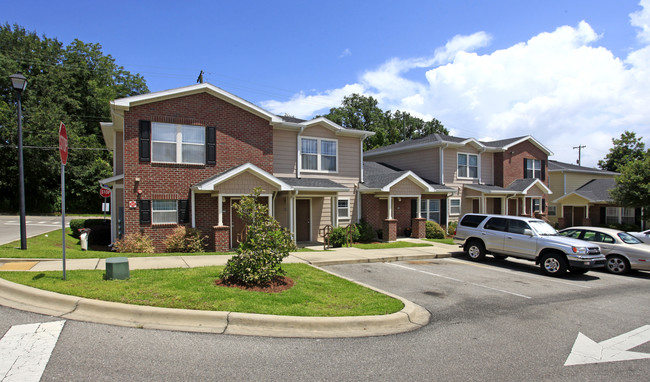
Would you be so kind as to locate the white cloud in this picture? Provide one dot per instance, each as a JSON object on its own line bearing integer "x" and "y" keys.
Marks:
{"x": 560, "y": 87}
{"x": 345, "y": 53}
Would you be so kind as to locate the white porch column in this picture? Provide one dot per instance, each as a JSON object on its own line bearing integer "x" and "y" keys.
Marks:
{"x": 292, "y": 215}
{"x": 270, "y": 205}
{"x": 220, "y": 201}
{"x": 335, "y": 210}
{"x": 419, "y": 207}
{"x": 390, "y": 207}
{"x": 504, "y": 202}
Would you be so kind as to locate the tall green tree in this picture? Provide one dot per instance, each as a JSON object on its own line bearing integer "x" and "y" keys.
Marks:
{"x": 363, "y": 113}
{"x": 633, "y": 184}
{"x": 74, "y": 85}
{"x": 626, "y": 149}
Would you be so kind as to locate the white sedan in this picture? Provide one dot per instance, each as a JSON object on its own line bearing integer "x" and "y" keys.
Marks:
{"x": 623, "y": 251}
{"x": 643, "y": 236}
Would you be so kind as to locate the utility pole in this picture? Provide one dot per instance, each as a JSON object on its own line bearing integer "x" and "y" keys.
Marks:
{"x": 579, "y": 147}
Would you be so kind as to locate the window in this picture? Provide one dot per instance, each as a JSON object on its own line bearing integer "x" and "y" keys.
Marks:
{"x": 454, "y": 206}
{"x": 343, "y": 210}
{"x": 619, "y": 215}
{"x": 535, "y": 205}
{"x": 496, "y": 224}
{"x": 472, "y": 220}
{"x": 318, "y": 154}
{"x": 173, "y": 143}
{"x": 164, "y": 212}
{"x": 517, "y": 226}
{"x": 533, "y": 168}
{"x": 467, "y": 166}
{"x": 430, "y": 209}
{"x": 627, "y": 215}
{"x": 552, "y": 211}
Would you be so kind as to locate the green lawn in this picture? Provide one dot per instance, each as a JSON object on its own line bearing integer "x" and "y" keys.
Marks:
{"x": 315, "y": 293}
{"x": 394, "y": 244}
{"x": 448, "y": 240}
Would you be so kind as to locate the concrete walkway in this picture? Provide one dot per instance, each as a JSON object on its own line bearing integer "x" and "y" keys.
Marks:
{"x": 411, "y": 317}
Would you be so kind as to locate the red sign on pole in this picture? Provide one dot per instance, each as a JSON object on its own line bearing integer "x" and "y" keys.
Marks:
{"x": 63, "y": 143}
{"x": 105, "y": 192}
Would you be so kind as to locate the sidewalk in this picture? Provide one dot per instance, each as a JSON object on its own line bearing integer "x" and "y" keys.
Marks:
{"x": 71, "y": 307}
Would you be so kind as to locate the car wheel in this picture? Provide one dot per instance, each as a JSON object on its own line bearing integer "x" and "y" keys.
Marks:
{"x": 500, "y": 257}
{"x": 553, "y": 264}
{"x": 475, "y": 250}
{"x": 617, "y": 264}
{"x": 579, "y": 271}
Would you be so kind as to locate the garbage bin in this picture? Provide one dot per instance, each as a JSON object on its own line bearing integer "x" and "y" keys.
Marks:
{"x": 85, "y": 232}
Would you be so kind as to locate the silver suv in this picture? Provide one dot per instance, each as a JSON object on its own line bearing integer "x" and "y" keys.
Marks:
{"x": 526, "y": 238}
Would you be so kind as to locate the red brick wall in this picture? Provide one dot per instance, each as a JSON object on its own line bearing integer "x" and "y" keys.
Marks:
{"x": 374, "y": 210}
{"x": 241, "y": 137}
{"x": 402, "y": 213}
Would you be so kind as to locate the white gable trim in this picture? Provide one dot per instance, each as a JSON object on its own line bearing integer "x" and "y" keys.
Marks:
{"x": 410, "y": 175}
{"x": 248, "y": 167}
{"x": 540, "y": 185}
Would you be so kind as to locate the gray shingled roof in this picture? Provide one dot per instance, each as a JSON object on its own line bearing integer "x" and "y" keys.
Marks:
{"x": 554, "y": 165}
{"x": 597, "y": 190}
{"x": 502, "y": 142}
{"x": 313, "y": 183}
{"x": 521, "y": 184}
{"x": 429, "y": 139}
{"x": 286, "y": 118}
{"x": 490, "y": 188}
{"x": 378, "y": 175}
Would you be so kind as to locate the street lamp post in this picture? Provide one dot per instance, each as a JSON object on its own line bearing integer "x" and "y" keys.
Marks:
{"x": 19, "y": 82}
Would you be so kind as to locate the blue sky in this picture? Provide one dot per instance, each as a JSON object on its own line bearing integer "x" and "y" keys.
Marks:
{"x": 568, "y": 73}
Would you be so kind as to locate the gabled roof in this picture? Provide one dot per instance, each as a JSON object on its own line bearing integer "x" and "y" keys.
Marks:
{"x": 523, "y": 185}
{"x": 491, "y": 189}
{"x": 555, "y": 166}
{"x": 336, "y": 128}
{"x": 208, "y": 184}
{"x": 381, "y": 177}
{"x": 128, "y": 102}
{"x": 440, "y": 140}
{"x": 594, "y": 191}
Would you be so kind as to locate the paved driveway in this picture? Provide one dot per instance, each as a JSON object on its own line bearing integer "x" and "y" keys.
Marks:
{"x": 35, "y": 225}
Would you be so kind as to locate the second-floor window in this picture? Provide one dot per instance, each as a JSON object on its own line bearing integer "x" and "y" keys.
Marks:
{"x": 533, "y": 168}
{"x": 467, "y": 165}
{"x": 174, "y": 143}
{"x": 318, "y": 154}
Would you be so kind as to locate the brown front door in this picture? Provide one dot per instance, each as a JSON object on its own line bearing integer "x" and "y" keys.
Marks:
{"x": 475, "y": 206}
{"x": 578, "y": 215}
{"x": 238, "y": 228}
{"x": 303, "y": 226}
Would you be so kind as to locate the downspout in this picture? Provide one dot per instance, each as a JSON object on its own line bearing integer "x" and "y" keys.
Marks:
{"x": 298, "y": 152}
{"x": 193, "y": 208}
{"x": 442, "y": 163}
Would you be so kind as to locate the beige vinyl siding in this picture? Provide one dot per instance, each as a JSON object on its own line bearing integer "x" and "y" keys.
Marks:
{"x": 282, "y": 210}
{"x": 487, "y": 168}
{"x": 244, "y": 184}
{"x": 556, "y": 184}
{"x": 406, "y": 187}
{"x": 285, "y": 146}
{"x": 118, "y": 154}
{"x": 575, "y": 181}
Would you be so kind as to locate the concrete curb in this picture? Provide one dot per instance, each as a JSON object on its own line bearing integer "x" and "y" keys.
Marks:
{"x": 22, "y": 297}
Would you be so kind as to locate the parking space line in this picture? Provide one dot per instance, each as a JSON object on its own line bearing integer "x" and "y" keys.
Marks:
{"x": 545, "y": 278}
{"x": 458, "y": 280}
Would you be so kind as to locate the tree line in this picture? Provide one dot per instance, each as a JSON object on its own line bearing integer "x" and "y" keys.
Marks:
{"x": 72, "y": 84}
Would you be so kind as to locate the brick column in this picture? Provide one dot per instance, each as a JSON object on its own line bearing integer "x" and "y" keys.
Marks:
{"x": 390, "y": 229}
{"x": 221, "y": 238}
{"x": 419, "y": 228}
{"x": 560, "y": 223}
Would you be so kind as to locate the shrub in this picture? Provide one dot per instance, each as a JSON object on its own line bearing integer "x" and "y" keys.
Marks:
{"x": 451, "y": 227}
{"x": 366, "y": 232}
{"x": 135, "y": 243}
{"x": 434, "y": 231}
{"x": 259, "y": 256}
{"x": 100, "y": 234}
{"x": 339, "y": 235}
{"x": 185, "y": 240}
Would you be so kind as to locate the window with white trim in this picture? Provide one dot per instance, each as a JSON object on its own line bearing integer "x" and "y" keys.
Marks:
{"x": 430, "y": 209}
{"x": 552, "y": 210}
{"x": 343, "y": 209}
{"x": 164, "y": 211}
{"x": 175, "y": 143}
{"x": 467, "y": 166}
{"x": 318, "y": 154}
{"x": 533, "y": 168}
{"x": 454, "y": 206}
{"x": 619, "y": 215}
{"x": 535, "y": 205}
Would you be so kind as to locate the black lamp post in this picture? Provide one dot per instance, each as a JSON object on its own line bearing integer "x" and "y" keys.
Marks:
{"x": 19, "y": 82}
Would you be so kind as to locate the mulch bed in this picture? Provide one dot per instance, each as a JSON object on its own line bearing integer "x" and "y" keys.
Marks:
{"x": 277, "y": 285}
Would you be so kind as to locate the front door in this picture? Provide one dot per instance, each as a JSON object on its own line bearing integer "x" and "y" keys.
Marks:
{"x": 237, "y": 225}
{"x": 303, "y": 226}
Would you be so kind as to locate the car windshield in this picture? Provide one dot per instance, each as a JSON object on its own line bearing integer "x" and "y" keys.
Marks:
{"x": 628, "y": 239}
{"x": 542, "y": 227}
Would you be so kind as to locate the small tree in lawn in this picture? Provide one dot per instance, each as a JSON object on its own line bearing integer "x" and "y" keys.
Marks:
{"x": 260, "y": 255}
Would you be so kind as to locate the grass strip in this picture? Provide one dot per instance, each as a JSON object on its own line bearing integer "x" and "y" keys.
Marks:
{"x": 315, "y": 293}
{"x": 394, "y": 244}
{"x": 449, "y": 241}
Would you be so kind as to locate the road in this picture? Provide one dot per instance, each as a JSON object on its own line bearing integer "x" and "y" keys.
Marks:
{"x": 496, "y": 321}
{"x": 34, "y": 225}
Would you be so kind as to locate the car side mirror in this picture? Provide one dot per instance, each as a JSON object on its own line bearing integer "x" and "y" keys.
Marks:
{"x": 528, "y": 232}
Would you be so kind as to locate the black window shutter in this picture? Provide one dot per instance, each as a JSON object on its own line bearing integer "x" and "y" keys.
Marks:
{"x": 543, "y": 170}
{"x": 414, "y": 208}
{"x": 145, "y": 211}
{"x": 443, "y": 211}
{"x": 145, "y": 141}
{"x": 183, "y": 211}
{"x": 211, "y": 145}
{"x": 543, "y": 205}
{"x": 603, "y": 215}
{"x": 525, "y": 167}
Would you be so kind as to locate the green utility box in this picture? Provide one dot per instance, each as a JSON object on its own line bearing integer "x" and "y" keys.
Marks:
{"x": 117, "y": 268}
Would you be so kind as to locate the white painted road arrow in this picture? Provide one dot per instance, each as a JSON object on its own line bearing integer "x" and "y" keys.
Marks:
{"x": 25, "y": 350}
{"x": 614, "y": 349}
